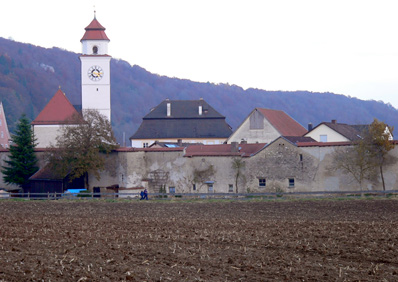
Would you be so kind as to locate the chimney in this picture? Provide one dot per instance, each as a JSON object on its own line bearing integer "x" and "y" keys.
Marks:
{"x": 168, "y": 109}
{"x": 334, "y": 121}
{"x": 243, "y": 141}
{"x": 234, "y": 147}
{"x": 179, "y": 142}
{"x": 310, "y": 126}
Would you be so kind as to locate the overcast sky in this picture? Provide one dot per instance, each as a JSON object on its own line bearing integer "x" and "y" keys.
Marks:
{"x": 347, "y": 47}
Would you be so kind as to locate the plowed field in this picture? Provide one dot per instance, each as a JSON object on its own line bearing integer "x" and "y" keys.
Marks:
{"x": 319, "y": 240}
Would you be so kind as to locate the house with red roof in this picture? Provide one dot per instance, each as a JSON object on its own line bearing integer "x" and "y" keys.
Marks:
{"x": 57, "y": 113}
{"x": 265, "y": 125}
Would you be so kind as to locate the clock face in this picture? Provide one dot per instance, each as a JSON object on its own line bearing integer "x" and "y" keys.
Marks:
{"x": 95, "y": 73}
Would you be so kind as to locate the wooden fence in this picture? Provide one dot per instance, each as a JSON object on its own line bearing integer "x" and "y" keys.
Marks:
{"x": 170, "y": 196}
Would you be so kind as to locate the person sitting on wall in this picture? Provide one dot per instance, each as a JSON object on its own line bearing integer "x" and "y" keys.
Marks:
{"x": 146, "y": 194}
{"x": 142, "y": 194}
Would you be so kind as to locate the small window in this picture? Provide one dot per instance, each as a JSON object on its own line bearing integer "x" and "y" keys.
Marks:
{"x": 95, "y": 50}
{"x": 194, "y": 187}
{"x": 172, "y": 190}
{"x": 211, "y": 190}
{"x": 145, "y": 145}
{"x": 261, "y": 182}
{"x": 301, "y": 157}
{"x": 323, "y": 138}
{"x": 291, "y": 182}
{"x": 230, "y": 188}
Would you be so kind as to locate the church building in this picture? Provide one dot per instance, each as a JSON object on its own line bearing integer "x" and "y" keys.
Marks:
{"x": 96, "y": 89}
{"x": 95, "y": 69}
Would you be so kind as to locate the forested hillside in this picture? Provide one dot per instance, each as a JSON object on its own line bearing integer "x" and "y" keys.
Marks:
{"x": 30, "y": 76}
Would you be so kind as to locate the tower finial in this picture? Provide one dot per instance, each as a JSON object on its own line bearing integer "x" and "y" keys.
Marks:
{"x": 95, "y": 13}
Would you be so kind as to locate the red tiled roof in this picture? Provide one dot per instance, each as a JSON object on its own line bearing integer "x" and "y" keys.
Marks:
{"x": 330, "y": 144}
{"x": 323, "y": 144}
{"x": 95, "y": 31}
{"x": 57, "y": 111}
{"x": 244, "y": 150}
{"x": 132, "y": 149}
{"x": 283, "y": 123}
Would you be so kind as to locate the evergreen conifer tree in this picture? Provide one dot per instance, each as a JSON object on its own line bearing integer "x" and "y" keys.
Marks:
{"x": 22, "y": 161}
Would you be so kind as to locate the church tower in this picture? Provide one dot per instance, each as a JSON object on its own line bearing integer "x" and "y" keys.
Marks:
{"x": 95, "y": 69}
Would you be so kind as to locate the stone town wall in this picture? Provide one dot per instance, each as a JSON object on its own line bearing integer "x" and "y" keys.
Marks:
{"x": 309, "y": 167}
{"x": 277, "y": 163}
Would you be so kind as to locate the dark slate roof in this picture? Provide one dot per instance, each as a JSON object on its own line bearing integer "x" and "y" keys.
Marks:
{"x": 351, "y": 132}
{"x": 184, "y": 122}
{"x": 298, "y": 139}
{"x": 184, "y": 109}
{"x": 47, "y": 173}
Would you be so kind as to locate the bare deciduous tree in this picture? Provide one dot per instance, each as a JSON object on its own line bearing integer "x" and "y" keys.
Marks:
{"x": 367, "y": 155}
{"x": 378, "y": 140}
{"x": 355, "y": 161}
{"x": 238, "y": 165}
{"x": 81, "y": 145}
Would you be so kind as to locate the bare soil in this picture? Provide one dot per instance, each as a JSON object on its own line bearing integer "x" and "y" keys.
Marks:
{"x": 305, "y": 240}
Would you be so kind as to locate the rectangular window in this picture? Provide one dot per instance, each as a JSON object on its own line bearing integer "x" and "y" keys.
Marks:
{"x": 261, "y": 182}
{"x": 211, "y": 190}
{"x": 323, "y": 138}
{"x": 194, "y": 187}
{"x": 172, "y": 190}
{"x": 230, "y": 188}
{"x": 301, "y": 157}
{"x": 291, "y": 182}
{"x": 145, "y": 145}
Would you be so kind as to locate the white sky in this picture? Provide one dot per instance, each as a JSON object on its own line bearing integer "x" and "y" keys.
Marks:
{"x": 347, "y": 47}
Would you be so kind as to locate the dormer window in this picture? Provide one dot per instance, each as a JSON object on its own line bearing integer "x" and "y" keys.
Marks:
{"x": 95, "y": 50}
